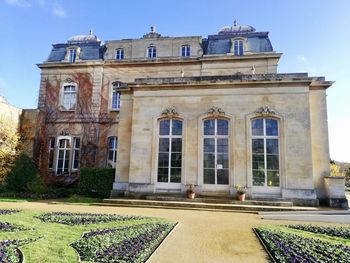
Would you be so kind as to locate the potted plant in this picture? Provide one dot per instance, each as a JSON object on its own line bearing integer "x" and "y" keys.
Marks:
{"x": 191, "y": 191}
{"x": 241, "y": 192}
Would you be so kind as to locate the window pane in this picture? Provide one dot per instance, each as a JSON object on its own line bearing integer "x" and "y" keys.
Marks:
{"x": 273, "y": 178}
{"x": 176, "y": 159}
{"x": 222, "y": 159}
{"x": 76, "y": 159}
{"x": 222, "y": 128}
{"x": 272, "y": 162}
{"x": 175, "y": 175}
{"x": 257, "y": 127}
{"x": 110, "y": 156}
{"x": 76, "y": 142}
{"x": 271, "y": 127}
{"x": 272, "y": 146}
{"x": 164, "y": 144}
{"x": 164, "y": 127}
{"x": 222, "y": 145}
{"x": 51, "y": 154}
{"x": 163, "y": 175}
{"x": 52, "y": 142}
{"x": 209, "y": 176}
{"x": 209, "y": 160}
{"x": 222, "y": 176}
{"x": 209, "y": 127}
{"x": 258, "y": 177}
{"x": 209, "y": 145}
{"x": 163, "y": 160}
{"x": 258, "y": 162}
{"x": 177, "y": 127}
{"x": 176, "y": 145}
{"x": 258, "y": 145}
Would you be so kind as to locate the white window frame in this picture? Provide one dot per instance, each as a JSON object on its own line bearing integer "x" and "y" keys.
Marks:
{"x": 216, "y": 137}
{"x": 239, "y": 41}
{"x": 185, "y": 49}
{"x": 119, "y": 54}
{"x": 74, "y": 150}
{"x": 115, "y": 98}
{"x": 170, "y": 136}
{"x": 65, "y": 153}
{"x": 72, "y": 100}
{"x": 151, "y": 52}
{"x": 114, "y": 149}
{"x": 265, "y": 137}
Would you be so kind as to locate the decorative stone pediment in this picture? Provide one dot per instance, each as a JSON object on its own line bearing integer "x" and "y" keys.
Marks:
{"x": 265, "y": 110}
{"x": 170, "y": 112}
{"x": 215, "y": 111}
{"x": 65, "y": 132}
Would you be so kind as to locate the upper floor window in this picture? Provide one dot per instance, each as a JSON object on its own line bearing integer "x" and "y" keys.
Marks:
{"x": 69, "y": 97}
{"x": 186, "y": 51}
{"x": 119, "y": 54}
{"x": 116, "y": 96}
{"x": 238, "y": 47}
{"x": 112, "y": 151}
{"x": 72, "y": 55}
{"x": 152, "y": 52}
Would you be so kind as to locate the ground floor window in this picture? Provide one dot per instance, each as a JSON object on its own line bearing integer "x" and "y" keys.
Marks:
{"x": 170, "y": 151}
{"x": 265, "y": 152}
{"x": 112, "y": 151}
{"x": 215, "y": 151}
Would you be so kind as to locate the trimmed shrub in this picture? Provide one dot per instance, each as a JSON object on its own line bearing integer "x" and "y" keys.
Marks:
{"x": 23, "y": 172}
{"x": 96, "y": 182}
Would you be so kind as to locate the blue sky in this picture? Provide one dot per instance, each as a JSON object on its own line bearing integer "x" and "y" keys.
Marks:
{"x": 313, "y": 35}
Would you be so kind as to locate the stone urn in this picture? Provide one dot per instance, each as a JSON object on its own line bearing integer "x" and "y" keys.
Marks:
{"x": 335, "y": 190}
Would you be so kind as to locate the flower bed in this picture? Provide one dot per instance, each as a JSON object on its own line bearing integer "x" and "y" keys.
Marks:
{"x": 8, "y": 211}
{"x": 343, "y": 232}
{"x": 9, "y": 251}
{"x": 124, "y": 244}
{"x": 73, "y": 219}
{"x": 288, "y": 247}
{"x": 8, "y": 227}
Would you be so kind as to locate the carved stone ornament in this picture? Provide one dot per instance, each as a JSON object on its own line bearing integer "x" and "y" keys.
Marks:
{"x": 215, "y": 111}
{"x": 65, "y": 132}
{"x": 170, "y": 112}
{"x": 265, "y": 110}
{"x": 69, "y": 80}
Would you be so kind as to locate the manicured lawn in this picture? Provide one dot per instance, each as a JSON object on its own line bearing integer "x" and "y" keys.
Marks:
{"x": 14, "y": 199}
{"x": 306, "y": 243}
{"x": 53, "y": 233}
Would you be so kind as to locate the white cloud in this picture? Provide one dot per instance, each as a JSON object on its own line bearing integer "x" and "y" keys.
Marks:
{"x": 19, "y": 3}
{"x": 58, "y": 10}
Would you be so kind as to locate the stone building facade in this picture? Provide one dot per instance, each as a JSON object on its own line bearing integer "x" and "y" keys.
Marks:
{"x": 171, "y": 111}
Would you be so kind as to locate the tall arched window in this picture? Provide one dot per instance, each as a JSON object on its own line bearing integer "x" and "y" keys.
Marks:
{"x": 216, "y": 151}
{"x": 170, "y": 151}
{"x": 265, "y": 152}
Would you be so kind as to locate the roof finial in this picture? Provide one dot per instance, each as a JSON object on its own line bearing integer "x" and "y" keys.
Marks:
{"x": 91, "y": 32}
{"x": 235, "y": 22}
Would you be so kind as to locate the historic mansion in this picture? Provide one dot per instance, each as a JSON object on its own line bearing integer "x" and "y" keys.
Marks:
{"x": 171, "y": 111}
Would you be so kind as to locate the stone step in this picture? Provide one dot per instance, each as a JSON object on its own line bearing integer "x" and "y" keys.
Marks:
{"x": 200, "y": 205}
{"x": 219, "y": 200}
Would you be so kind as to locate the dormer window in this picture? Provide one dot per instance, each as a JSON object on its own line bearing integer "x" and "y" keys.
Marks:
{"x": 238, "y": 47}
{"x": 72, "y": 55}
{"x": 119, "y": 54}
{"x": 186, "y": 51}
{"x": 152, "y": 52}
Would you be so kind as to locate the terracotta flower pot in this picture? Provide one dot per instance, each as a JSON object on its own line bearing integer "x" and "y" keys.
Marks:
{"x": 241, "y": 197}
{"x": 191, "y": 195}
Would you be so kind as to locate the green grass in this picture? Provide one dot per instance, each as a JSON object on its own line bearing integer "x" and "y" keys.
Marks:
{"x": 15, "y": 199}
{"x": 54, "y": 246}
{"x": 82, "y": 199}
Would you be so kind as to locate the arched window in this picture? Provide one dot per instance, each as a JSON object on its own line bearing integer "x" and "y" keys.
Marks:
{"x": 119, "y": 54}
{"x": 265, "y": 152}
{"x": 152, "y": 52}
{"x": 186, "y": 51}
{"x": 69, "y": 95}
{"x": 170, "y": 151}
{"x": 216, "y": 151}
{"x": 112, "y": 151}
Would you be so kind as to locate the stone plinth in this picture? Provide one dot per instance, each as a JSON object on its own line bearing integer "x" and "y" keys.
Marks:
{"x": 335, "y": 189}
